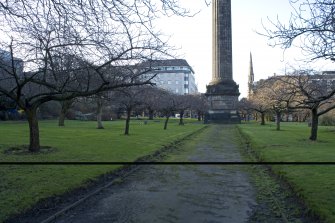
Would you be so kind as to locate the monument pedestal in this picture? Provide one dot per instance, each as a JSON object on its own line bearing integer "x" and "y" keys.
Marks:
{"x": 222, "y": 93}
{"x": 223, "y": 99}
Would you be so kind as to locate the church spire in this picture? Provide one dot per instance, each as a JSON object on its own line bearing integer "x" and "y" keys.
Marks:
{"x": 251, "y": 77}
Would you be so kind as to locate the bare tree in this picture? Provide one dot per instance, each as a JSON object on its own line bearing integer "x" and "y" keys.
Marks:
{"x": 300, "y": 115}
{"x": 75, "y": 49}
{"x": 129, "y": 99}
{"x": 310, "y": 91}
{"x": 151, "y": 100}
{"x": 244, "y": 108}
{"x": 200, "y": 105}
{"x": 99, "y": 112}
{"x": 182, "y": 103}
{"x": 276, "y": 95}
{"x": 311, "y": 26}
{"x": 167, "y": 106}
{"x": 259, "y": 103}
{"x": 65, "y": 106}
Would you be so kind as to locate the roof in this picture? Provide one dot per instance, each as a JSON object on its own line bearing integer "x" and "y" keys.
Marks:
{"x": 328, "y": 72}
{"x": 167, "y": 63}
{"x": 6, "y": 56}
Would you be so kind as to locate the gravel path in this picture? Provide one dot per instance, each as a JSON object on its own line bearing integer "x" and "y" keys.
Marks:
{"x": 179, "y": 193}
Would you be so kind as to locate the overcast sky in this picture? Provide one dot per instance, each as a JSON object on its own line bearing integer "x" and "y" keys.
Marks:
{"x": 193, "y": 37}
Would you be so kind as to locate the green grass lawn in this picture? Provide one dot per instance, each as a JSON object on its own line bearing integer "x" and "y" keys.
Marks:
{"x": 23, "y": 186}
{"x": 314, "y": 184}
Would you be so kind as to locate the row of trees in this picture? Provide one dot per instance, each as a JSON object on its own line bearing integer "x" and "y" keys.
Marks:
{"x": 61, "y": 50}
{"x": 301, "y": 90}
{"x": 312, "y": 28}
{"x": 149, "y": 100}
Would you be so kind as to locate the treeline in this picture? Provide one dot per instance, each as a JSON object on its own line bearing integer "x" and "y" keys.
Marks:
{"x": 303, "y": 95}
{"x": 65, "y": 50}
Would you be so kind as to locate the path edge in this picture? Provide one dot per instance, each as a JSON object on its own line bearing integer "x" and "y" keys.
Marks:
{"x": 92, "y": 186}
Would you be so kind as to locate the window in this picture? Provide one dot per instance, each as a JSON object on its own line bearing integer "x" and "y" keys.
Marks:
{"x": 186, "y": 74}
{"x": 162, "y": 82}
{"x": 177, "y": 90}
{"x": 186, "y": 82}
{"x": 186, "y": 90}
{"x": 169, "y": 82}
{"x": 177, "y": 82}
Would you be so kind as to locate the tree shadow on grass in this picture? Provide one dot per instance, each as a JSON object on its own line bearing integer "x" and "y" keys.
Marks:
{"x": 24, "y": 150}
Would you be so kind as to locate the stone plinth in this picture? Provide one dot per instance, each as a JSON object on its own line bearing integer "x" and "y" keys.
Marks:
{"x": 222, "y": 92}
{"x": 223, "y": 99}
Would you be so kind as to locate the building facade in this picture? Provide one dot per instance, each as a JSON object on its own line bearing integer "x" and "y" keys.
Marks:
{"x": 7, "y": 62}
{"x": 324, "y": 79}
{"x": 174, "y": 75}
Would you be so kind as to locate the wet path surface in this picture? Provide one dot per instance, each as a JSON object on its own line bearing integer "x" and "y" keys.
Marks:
{"x": 179, "y": 193}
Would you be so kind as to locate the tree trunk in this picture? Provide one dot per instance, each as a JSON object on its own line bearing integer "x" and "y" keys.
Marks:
{"x": 278, "y": 116}
{"x": 151, "y": 114}
{"x": 65, "y": 107}
{"x": 199, "y": 116}
{"x": 181, "y": 120}
{"x": 99, "y": 114}
{"x": 34, "y": 145}
{"x": 166, "y": 122}
{"x": 126, "y": 130}
{"x": 315, "y": 123}
{"x": 61, "y": 119}
{"x": 262, "y": 118}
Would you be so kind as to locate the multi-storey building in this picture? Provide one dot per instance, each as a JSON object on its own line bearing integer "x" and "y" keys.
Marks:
{"x": 323, "y": 79}
{"x": 175, "y": 75}
{"x": 7, "y": 62}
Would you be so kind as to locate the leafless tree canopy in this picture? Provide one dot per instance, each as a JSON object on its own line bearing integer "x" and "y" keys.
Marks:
{"x": 70, "y": 46}
{"x": 309, "y": 90}
{"x": 300, "y": 90}
{"x": 311, "y": 27}
{"x": 62, "y": 49}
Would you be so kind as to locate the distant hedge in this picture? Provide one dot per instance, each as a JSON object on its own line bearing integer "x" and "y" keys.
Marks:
{"x": 327, "y": 120}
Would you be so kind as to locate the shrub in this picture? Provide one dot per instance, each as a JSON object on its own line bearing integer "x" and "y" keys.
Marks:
{"x": 327, "y": 120}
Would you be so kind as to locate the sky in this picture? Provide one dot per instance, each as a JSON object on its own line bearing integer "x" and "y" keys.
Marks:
{"x": 192, "y": 36}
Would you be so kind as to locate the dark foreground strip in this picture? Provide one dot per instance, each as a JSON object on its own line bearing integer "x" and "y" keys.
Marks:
{"x": 167, "y": 163}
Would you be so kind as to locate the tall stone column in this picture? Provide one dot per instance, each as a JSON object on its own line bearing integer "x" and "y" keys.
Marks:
{"x": 222, "y": 41}
{"x": 222, "y": 91}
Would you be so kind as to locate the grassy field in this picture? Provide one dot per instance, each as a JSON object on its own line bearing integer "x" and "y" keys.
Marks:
{"x": 314, "y": 184}
{"x": 23, "y": 186}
